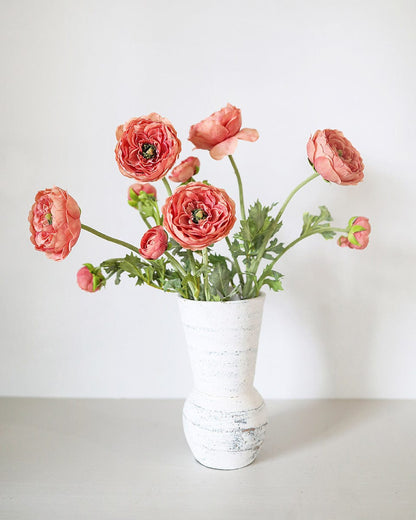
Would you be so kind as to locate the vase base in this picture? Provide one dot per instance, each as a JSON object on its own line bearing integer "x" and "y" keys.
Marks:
{"x": 224, "y": 433}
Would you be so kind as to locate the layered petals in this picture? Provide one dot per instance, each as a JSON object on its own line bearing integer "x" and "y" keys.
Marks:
{"x": 198, "y": 215}
{"x": 335, "y": 158}
{"x": 147, "y": 147}
{"x": 55, "y": 223}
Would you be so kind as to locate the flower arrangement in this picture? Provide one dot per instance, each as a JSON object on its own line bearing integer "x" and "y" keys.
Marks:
{"x": 176, "y": 253}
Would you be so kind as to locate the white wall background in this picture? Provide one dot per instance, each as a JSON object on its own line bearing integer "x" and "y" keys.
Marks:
{"x": 74, "y": 70}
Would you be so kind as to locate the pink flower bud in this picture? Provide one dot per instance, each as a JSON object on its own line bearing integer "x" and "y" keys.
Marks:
{"x": 358, "y": 236}
{"x": 153, "y": 243}
{"x": 90, "y": 279}
{"x": 141, "y": 186}
{"x": 185, "y": 170}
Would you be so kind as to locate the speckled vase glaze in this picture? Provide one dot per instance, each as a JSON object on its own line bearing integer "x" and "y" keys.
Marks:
{"x": 224, "y": 417}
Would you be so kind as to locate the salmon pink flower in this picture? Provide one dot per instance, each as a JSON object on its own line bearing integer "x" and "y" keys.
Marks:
{"x": 198, "y": 215}
{"x": 219, "y": 133}
{"x": 153, "y": 243}
{"x": 55, "y": 223}
{"x": 358, "y": 235}
{"x": 335, "y": 158}
{"x": 90, "y": 278}
{"x": 185, "y": 170}
{"x": 147, "y": 147}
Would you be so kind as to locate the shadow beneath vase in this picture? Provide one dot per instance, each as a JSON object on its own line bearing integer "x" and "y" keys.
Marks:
{"x": 295, "y": 425}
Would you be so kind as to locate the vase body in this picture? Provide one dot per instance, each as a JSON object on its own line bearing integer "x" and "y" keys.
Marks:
{"x": 224, "y": 417}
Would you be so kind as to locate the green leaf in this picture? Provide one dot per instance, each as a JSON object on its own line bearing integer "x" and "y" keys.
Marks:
{"x": 272, "y": 279}
{"x": 221, "y": 278}
{"x": 318, "y": 223}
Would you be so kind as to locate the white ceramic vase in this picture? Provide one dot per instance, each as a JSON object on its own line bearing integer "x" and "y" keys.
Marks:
{"x": 224, "y": 417}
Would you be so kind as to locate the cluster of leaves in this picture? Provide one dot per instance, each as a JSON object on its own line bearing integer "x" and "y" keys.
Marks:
{"x": 318, "y": 224}
{"x": 254, "y": 242}
{"x": 154, "y": 273}
{"x": 221, "y": 277}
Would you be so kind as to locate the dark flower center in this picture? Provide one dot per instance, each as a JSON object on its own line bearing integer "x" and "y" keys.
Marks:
{"x": 148, "y": 151}
{"x": 340, "y": 153}
{"x": 197, "y": 215}
{"x": 48, "y": 217}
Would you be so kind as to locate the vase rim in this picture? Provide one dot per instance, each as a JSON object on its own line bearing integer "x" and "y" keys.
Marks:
{"x": 261, "y": 296}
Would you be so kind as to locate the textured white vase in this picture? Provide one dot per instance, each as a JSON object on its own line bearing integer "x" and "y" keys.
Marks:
{"x": 224, "y": 417}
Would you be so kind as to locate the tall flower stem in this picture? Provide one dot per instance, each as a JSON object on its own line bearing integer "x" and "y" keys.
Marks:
{"x": 240, "y": 187}
{"x": 167, "y": 186}
{"x": 110, "y": 239}
{"x": 205, "y": 263}
{"x": 293, "y": 192}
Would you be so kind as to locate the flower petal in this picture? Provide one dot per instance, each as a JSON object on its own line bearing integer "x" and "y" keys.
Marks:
{"x": 227, "y": 147}
{"x": 248, "y": 134}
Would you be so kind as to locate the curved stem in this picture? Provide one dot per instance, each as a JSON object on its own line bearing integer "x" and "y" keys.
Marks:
{"x": 293, "y": 192}
{"x": 240, "y": 187}
{"x": 110, "y": 239}
{"x": 175, "y": 263}
{"x": 236, "y": 264}
{"x": 294, "y": 242}
{"x": 167, "y": 186}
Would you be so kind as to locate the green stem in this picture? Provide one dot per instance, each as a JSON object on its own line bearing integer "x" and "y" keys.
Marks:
{"x": 293, "y": 192}
{"x": 273, "y": 229}
{"x": 148, "y": 224}
{"x": 167, "y": 186}
{"x": 110, "y": 239}
{"x": 294, "y": 242}
{"x": 236, "y": 264}
{"x": 340, "y": 230}
{"x": 240, "y": 187}
{"x": 205, "y": 263}
{"x": 175, "y": 263}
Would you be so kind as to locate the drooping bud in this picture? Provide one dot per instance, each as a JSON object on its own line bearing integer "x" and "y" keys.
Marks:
{"x": 90, "y": 278}
{"x": 358, "y": 234}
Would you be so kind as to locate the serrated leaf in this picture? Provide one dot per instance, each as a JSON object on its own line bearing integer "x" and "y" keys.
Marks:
{"x": 272, "y": 278}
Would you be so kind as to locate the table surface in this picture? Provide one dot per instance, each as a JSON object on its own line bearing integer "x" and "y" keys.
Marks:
{"x": 128, "y": 459}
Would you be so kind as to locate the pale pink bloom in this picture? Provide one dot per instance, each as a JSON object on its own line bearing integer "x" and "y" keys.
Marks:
{"x": 219, "y": 133}
{"x": 335, "y": 158}
{"x": 147, "y": 147}
{"x": 55, "y": 223}
{"x": 153, "y": 243}
{"x": 198, "y": 215}
{"x": 185, "y": 170}
{"x": 362, "y": 236}
{"x": 140, "y": 186}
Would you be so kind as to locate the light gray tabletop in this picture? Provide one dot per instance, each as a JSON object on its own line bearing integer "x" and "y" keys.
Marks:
{"x": 127, "y": 459}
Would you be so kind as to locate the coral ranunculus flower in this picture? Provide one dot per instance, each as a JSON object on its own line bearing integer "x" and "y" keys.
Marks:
{"x": 153, "y": 243}
{"x": 198, "y": 215}
{"x": 219, "y": 133}
{"x": 55, "y": 223}
{"x": 358, "y": 237}
{"x": 335, "y": 158}
{"x": 147, "y": 147}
